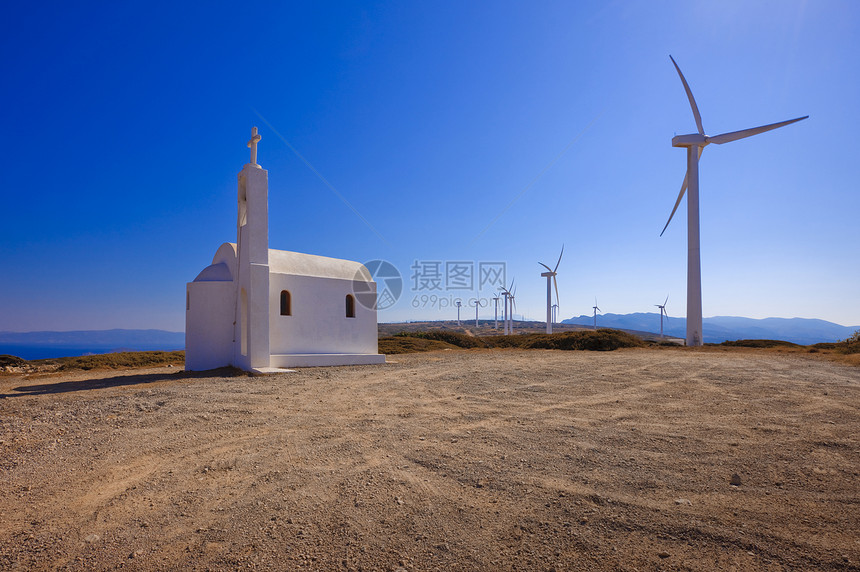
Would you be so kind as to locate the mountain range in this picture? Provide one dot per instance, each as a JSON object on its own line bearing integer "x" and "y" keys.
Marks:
{"x": 43, "y": 345}
{"x": 719, "y": 329}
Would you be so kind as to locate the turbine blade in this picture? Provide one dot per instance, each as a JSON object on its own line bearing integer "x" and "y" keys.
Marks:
{"x": 666, "y": 300}
{"x": 559, "y": 259}
{"x": 545, "y": 266}
{"x": 555, "y": 283}
{"x": 677, "y": 202}
{"x": 680, "y": 196}
{"x": 691, "y": 98}
{"x": 735, "y": 135}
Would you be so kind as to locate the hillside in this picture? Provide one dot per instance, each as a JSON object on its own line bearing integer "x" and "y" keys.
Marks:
{"x": 718, "y": 329}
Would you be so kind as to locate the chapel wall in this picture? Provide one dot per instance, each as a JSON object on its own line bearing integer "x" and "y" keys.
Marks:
{"x": 209, "y": 325}
{"x": 318, "y": 322}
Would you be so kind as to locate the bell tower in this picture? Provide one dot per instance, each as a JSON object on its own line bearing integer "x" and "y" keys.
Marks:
{"x": 251, "y": 330}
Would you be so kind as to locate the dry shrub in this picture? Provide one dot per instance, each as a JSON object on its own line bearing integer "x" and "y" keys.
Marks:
{"x": 453, "y": 338}
{"x": 12, "y": 361}
{"x": 600, "y": 340}
{"x": 759, "y": 344}
{"x": 409, "y": 344}
{"x": 123, "y": 360}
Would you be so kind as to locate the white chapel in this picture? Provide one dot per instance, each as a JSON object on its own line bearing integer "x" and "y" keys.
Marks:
{"x": 260, "y": 309}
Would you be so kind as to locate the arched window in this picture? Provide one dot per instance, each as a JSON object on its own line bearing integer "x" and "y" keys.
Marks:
{"x": 350, "y": 306}
{"x": 286, "y": 306}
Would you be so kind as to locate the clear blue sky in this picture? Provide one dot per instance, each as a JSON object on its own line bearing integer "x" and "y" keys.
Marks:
{"x": 124, "y": 125}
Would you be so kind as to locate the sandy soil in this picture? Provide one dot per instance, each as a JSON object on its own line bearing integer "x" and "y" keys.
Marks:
{"x": 456, "y": 460}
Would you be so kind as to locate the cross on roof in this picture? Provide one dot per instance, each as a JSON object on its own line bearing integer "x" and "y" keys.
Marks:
{"x": 252, "y": 144}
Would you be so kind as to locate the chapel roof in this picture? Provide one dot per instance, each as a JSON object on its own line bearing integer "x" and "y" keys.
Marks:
{"x": 286, "y": 262}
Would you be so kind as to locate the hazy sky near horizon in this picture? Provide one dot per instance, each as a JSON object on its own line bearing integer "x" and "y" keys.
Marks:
{"x": 460, "y": 131}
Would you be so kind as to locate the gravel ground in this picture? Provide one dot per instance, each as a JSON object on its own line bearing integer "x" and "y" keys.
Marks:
{"x": 646, "y": 459}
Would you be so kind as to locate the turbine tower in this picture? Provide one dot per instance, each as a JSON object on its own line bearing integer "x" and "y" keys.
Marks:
{"x": 458, "y": 311}
{"x": 663, "y": 312}
{"x": 496, "y": 319}
{"x": 550, "y": 275}
{"x": 596, "y": 310}
{"x": 554, "y": 313}
{"x": 695, "y": 144}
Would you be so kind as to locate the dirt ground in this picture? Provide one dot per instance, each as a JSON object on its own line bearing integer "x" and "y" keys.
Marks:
{"x": 454, "y": 460}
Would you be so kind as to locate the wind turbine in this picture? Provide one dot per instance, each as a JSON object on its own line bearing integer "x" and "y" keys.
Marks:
{"x": 512, "y": 295}
{"x": 506, "y": 292}
{"x": 459, "y": 303}
{"x": 695, "y": 144}
{"x": 496, "y": 319}
{"x": 550, "y": 275}
{"x": 513, "y": 306}
{"x": 662, "y": 312}
{"x": 554, "y": 313}
{"x": 478, "y": 304}
{"x": 596, "y": 310}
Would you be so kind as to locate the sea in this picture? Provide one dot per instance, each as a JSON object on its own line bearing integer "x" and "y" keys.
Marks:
{"x": 31, "y": 352}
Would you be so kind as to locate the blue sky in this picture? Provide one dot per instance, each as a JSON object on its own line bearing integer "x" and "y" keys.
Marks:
{"x": 124, "y": 125}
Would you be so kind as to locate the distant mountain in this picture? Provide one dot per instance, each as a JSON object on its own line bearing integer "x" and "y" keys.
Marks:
{"x": 721, "y": 328}
{"x": 42, "y": 345}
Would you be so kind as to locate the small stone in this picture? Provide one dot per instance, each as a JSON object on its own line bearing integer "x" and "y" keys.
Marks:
{"x": 683, "y": 502}
{"x": 736, "y": 480}
{"x": 398, "y": 500}
{"x": 663, "y": 554}
{"x": 92, "y": 538}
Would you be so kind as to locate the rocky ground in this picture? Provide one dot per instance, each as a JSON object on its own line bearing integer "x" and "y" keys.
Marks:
{"x": 645, "y": 459}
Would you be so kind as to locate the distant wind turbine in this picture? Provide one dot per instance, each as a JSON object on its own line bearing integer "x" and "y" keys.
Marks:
{"x": 550, "y": 276}
{"x": 596, "y": 310}
{"x": 458, "y": 311}
{"x": 506, "y": 292}
{"x": 496, "y": 319}
{"x": 662, "y": 313}
{"x": 554, "y": 313}
{"x": 478, "y": 304}
{"x": 695, "y": 144}
{"x": 513, "y": 307}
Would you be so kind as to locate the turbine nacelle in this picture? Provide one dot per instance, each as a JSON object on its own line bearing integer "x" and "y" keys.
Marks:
{"x": 692, "y": 140}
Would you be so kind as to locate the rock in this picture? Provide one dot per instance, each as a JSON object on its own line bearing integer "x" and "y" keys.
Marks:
{"x": 92, "y": 538}
{"x": 684, "y": 502}
{"x": 736, "y": 480}
{"x": 663, "y": 554}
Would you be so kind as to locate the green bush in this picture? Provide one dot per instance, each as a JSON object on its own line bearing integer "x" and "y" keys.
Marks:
{"x": 852, "y": 344}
